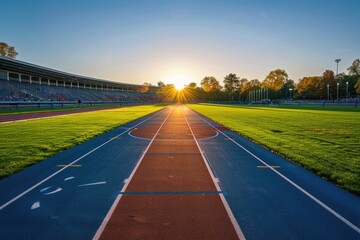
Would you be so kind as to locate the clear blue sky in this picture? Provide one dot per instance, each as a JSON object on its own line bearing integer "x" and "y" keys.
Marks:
{"x": 147, "y": 41}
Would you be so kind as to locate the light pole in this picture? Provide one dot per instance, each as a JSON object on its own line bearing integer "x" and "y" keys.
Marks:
{"x": 328, "y": 93}
{"x": 347, "y": 90}
{"x": 337, "y": 65}
{"x": 290, "y": 89}
{"x": 337, "y": 91}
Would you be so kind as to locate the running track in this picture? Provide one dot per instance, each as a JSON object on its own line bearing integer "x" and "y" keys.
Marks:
{"x": 173, "y": 175}
{"x": 34, "y": 115}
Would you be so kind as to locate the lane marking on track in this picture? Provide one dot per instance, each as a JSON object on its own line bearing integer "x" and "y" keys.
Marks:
{"x": 128, "y": 180}
{"x": 233, "y": 220}
{"x": 75, "y": 161}
{"x": 92, "y": 184}
{"x": 330, "y": 210}
{"x": 268, "y": 166}
{"x": 173, "y": 140}
{"x": 68, "y": 178}
{"x": 35, "y": 205}
{"x": 55, "y": 191}
{"x": 68, "y": 165}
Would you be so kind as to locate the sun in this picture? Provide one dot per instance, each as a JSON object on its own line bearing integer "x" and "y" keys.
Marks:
{"x": 179, "y": 82}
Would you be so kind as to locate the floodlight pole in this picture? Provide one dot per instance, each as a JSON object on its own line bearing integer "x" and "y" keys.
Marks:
{"x": 337, "y": 91}
{"x": 328, "y": 92}
{"x": 347, "y": 90}
{"x": 290, "y": 89}
{"x": 337, "y": 65}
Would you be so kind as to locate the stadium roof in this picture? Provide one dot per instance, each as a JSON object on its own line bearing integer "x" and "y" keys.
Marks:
{"x": 12, "y": 65}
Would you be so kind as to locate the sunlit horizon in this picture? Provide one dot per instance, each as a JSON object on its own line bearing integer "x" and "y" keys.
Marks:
{"x": 146, "y": 41}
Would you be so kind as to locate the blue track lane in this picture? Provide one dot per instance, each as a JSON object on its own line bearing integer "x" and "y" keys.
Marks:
{"x": 267, "y": 206}
{"x": 73, "y": 203}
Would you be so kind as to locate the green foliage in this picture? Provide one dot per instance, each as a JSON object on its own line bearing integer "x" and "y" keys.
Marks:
{"x": 7, "y": 51}
{"x": 231, "y": 82}
{"x": 25, "y": 143}
{"x": 354, "y": 69}
{"x": 210, "y": 84}
{"x": 275, "y": 79}
{"x": 325, "y": 141}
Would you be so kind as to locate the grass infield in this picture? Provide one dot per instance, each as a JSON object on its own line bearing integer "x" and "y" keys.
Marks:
{"x": 25, "y": 143}
{"x": 325, "y": 141}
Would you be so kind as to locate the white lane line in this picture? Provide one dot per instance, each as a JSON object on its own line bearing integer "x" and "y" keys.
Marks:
{"x": 92, "y": 184}
{"x": 128, "y": 180}
{"x": 75, "y": 161}
{"x": 35, "y": 205}
{"x": 55, "y": 191}
{"x": 233, "y": 220}
{"x": 68, "y": 178}
{"x": 340, "y": 217}
{"x": 44, "y": 189}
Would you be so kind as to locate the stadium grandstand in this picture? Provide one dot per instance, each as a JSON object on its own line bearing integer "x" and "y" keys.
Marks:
{"x": 25, "y": 82}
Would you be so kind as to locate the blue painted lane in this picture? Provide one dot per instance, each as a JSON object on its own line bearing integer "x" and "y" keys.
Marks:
{"x": 267, "y": 206}
{"x": 73, "y": 203}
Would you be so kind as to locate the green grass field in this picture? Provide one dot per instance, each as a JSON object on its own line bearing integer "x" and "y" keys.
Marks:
{"x": 325, "y": 141}
{"x": 25, "y": 143}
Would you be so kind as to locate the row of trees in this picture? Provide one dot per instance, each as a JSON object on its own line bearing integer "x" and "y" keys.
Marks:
{"x": 276, "y": 85}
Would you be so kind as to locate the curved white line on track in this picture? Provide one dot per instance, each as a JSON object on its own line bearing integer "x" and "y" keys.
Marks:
{"x": 174, "y": 140}
{"x": 73, "y": 162}
{"x": 211, "y": 137}
{"x": 233, "y": 220}
{"x": 127, "y": 182}
{"x": 55, "y": 191}
{"x": 330, "y": 210}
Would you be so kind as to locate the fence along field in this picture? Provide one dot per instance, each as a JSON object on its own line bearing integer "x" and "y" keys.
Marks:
{"x": 25, "y": 143}
{"x": 325, "y": 141}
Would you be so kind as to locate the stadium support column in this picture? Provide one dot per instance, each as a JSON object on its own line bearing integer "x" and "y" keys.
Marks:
{"x": 19, "y": 77}
{"x": 30, "y": 79}
{"x": 39, "y": 80}
{"x": 7, "y": 76}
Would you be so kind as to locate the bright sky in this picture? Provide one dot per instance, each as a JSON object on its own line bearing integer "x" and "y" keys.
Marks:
{"x": 148, "y": 41}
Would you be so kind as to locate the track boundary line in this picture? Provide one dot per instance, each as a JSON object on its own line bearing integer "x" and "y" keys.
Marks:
{"x": 127, "y": 182}
{"x": 326, "y": 207}
{"x": 233, "y": 220}
{"x": 73, "y": 162}
{"x": 175, "y": 140}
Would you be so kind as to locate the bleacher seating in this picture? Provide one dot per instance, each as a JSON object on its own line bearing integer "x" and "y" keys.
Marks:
{"x": 20, "y": 91}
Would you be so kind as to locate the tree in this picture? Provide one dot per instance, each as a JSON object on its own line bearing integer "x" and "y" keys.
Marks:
{"x": 275, "y": 79}
{"x": 210, "y": 84}
{"x": 242, "y": 88}
{"x": 7, "y": 51}
{"x": 231, "y": 82}
{"x": 357, "y": 86}
{"x": 192, "y": 85}
{"x": 161, "y": 84}
{"x": 285, "y": 90}
{"x": 354, "y": 69}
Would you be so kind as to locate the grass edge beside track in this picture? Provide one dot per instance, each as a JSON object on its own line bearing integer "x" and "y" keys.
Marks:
{"x": 23, "y": 144}
{"x": 4, "y": 112}
{"x": 332, "y": 173}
